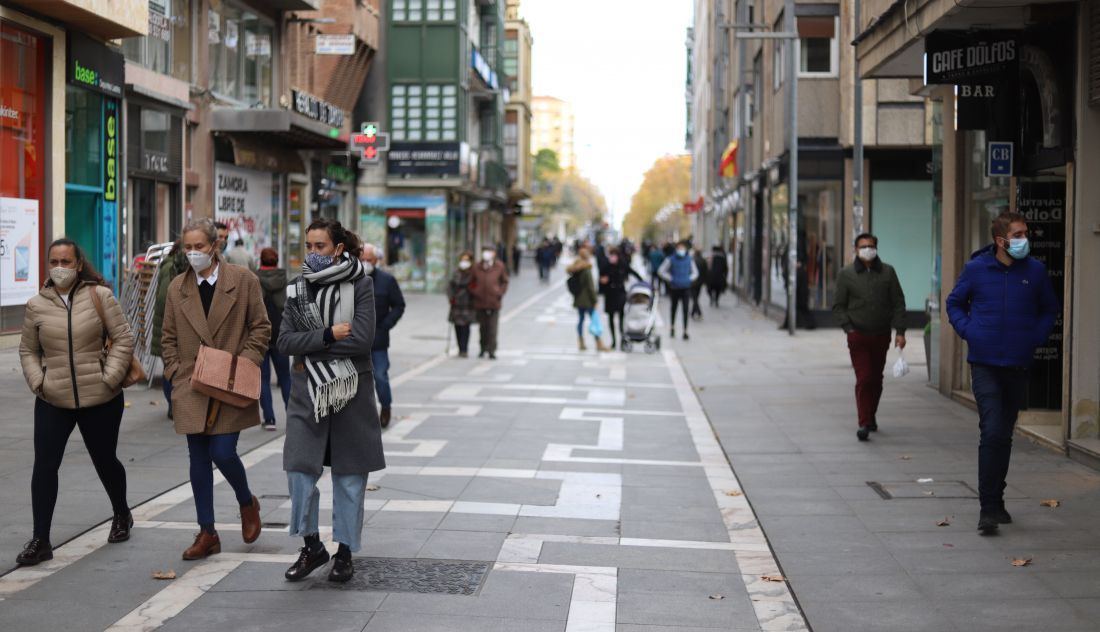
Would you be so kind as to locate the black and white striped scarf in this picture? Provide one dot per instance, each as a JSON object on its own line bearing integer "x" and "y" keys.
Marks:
{"x": 332, "y": 383}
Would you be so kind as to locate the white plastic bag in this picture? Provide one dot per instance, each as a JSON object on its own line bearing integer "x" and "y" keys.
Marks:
{"x": 901, "y": 367}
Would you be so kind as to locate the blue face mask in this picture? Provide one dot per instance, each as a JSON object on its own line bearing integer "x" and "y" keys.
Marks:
{"x": 318, "y": 262}
{"x": 1018, "y": 248}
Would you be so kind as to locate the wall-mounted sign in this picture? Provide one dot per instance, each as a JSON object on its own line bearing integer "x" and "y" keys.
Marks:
{"x": 160, "y": 23}
{"x": 308, "y": 105}
{"x": 155, "y": 161}
{"x": 998, "y": 160}
{"x": 958, "y": 57}
{"x": 94, "y": 66}
{"x": 112, "y": 166}
{"x": 483, "y": 69}
{"x": 243, "y": 201}
{"x": 425, "y": 159}
{"x": 19, "y": 246}
{"x": 335, "y": 44}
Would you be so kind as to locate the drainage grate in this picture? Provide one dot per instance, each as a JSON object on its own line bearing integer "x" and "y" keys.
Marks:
{"x": 909, "y": 490}
{"x": 388, "y": 574}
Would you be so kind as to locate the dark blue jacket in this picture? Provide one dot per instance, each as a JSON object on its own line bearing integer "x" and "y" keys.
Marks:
{"x": 1003, "y": 312}
{"x": 389, "y": 306}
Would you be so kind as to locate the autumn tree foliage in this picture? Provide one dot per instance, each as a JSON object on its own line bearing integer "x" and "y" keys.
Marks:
{"x": 564, "y": 196}
{"x": 668, "y": 181}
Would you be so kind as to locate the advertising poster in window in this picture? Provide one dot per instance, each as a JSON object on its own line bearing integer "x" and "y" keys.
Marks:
{"x": 19, "y": 250}
{"x": 243, "y": 201}
{"x": 1043, "y": 203}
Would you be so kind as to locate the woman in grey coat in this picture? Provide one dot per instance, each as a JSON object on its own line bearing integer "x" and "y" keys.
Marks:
{"x": 328, "y": 326}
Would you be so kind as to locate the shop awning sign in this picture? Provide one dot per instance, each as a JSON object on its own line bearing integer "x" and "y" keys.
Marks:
{"x": 969, "y": 57}
{"x": 998, "y": 160}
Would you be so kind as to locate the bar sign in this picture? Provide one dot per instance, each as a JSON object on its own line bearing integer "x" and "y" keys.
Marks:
{"x": 999, "y": 159}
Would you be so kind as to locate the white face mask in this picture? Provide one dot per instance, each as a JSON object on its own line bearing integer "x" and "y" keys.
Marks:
{"x": 368, "y": 267}
{"x": 868, "y": 253}
{"x": 488, "y": 256}
{"x": 681, "y": 251}
{"x": 199, "y": 260}
{"x": 62, "y": 277}
{"x": 464, "y": 264}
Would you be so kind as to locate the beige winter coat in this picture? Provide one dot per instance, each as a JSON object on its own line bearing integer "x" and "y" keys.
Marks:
{"x": 62, "y": 348}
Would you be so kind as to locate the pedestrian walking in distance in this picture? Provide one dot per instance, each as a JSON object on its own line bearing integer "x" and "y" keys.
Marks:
{"x": 545, "y": 256}
{"x": 698, "y": 284}
{"x": 273, "y": 283}
{"x": 716, "y": 279}
{"x": 76, "y": 383}
{"x": 219, "y": 305}
{"x": 172, "y": 265}
{"x": 869, "y": 303}
{"x": 238, "y": 255}
{"x": 488, "y": 284}
{"x": 462, "y": 311}
{"x": 583, "y": 288}
{"x": 389, "y": 306}
{"x": 329, "y": 328}
{"x": 1003, "y": 306}
{"x": 679, "y": 273}
{"x": 613, "y": 277}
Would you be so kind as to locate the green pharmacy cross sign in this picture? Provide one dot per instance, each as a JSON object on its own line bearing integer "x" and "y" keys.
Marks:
{"x": 371, "y": 143}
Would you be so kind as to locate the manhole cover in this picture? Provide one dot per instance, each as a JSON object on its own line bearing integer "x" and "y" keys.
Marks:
{"x": 904, "y": 490}
{"x": 387, "y": 574}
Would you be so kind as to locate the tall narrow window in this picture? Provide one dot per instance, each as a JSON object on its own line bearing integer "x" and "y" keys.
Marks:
{"x": 818, "y": 46}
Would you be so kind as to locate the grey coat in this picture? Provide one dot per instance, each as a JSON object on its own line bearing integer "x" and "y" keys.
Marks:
{"x": 351, "y": 440}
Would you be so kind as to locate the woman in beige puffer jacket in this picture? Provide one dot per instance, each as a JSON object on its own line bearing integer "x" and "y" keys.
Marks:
{"x": 77, "y": 383}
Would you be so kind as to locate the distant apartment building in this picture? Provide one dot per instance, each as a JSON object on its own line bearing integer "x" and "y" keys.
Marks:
{"x": 552, "y": 128}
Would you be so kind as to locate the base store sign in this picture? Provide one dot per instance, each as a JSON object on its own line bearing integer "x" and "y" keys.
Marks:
{"x": 19, "y": 256}
{"x": 243, "y": 201}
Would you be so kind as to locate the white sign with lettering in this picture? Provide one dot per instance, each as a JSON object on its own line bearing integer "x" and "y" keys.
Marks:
{"x": 244, "y": 201}
{"x": 19, "y": 250}
{"x": 335, "y": 44}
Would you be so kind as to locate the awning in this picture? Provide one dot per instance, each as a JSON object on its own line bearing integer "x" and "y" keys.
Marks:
{"x": 279, "y": 127}
{"x": 293, "y": 5}
{"x": 127, "y": 18}
{"x": 253, "y": 152}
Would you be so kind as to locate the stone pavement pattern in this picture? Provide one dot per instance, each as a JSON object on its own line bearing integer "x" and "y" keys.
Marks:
{"x": 590, "y": 487}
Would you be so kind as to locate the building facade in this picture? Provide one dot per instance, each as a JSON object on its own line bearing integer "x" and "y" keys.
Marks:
{"x": 516, "y": 75}
{"x": 61, "y": 137}
{"x": 552, "y": 128}
{"x": 746, "y": 210}
{"x": 1016, "y": 110}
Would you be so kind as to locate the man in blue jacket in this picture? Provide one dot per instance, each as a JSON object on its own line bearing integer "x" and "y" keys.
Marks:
{"x": 1004, "y": 307}
{"x": 389, "y": 306}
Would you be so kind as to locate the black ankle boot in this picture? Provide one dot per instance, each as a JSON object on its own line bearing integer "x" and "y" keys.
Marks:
{"x": 35, "y": 551}
{"x": 120, "y": 528}
{"x": 342, "y": 568}
{"x": 312, "y": 556}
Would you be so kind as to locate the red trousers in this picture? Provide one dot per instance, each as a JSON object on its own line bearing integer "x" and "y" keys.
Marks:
{"x": 868, "y": 359}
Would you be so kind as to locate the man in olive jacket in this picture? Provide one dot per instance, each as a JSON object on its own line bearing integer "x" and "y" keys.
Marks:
{"x": 869, "y": 303}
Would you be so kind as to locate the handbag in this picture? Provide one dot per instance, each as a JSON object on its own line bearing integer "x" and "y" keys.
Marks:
{"x": 137, "y": 372}
{"x": 226, "y": 377}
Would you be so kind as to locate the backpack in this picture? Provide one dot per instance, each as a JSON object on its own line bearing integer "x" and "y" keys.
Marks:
{"x": 573, "y": 283}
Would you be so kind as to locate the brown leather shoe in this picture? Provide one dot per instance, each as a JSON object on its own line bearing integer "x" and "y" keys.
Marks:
{"x": 205, "y": 544}
{"x": 250, "y": 521}
{"x": 384, "y": 418}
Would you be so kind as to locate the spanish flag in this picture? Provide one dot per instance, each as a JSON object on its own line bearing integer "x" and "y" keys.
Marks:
{"x": 728, "y": 167}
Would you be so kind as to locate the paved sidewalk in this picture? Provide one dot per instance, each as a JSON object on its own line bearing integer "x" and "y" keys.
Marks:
{"x": 784, "y": 411}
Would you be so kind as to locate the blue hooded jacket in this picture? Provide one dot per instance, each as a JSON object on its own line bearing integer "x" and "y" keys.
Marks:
{"x": 1003, "y": 312}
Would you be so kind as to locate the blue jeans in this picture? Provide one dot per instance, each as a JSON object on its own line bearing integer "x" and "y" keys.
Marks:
{"x": 347, "y": 506}
{"x": 581, "y": 311}
{"x": 221, "y": 450}
{"x": 1000, "y": 393}
{"x": 380, "y": 358}
{"x": 282, "y": 375}
{"x": 166, "y": 386}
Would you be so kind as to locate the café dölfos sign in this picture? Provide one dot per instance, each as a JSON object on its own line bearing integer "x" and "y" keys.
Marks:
{"x": 970, "y": 57}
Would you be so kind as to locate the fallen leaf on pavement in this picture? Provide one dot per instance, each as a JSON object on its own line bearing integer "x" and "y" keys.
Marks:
{"x": 1021, "y": 561}
{"x": 126, "y": 405}
{"x": 717, "y": 596}
{"x": 164, "y": 575}
{"x": 944, "y": 523}
{"x": 733, "y": 493}
{"x": 950, "y": 546}
{"x": 153, "y": 403}
{"x": 702, "y": 388}
{"x": 773, "y": 578}
{"x": 1050, "y": 503}
{"x": 372, "y": 488}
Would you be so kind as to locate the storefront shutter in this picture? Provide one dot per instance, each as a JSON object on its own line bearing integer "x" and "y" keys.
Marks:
{"x": 1094, "y": 53}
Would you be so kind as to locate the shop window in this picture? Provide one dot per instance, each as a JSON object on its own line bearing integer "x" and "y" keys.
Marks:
{"x": 241, "y": 51}
{"x": 424, "y": 113}
{"x": 779, "y": 57}
{"x": 817, "y": 46}
{"x": 83, "y": 132}
{"x": 167, "y": 47}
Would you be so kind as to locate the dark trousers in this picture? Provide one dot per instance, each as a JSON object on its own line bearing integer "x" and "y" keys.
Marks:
{"x": 868, "y": 359}
{"x": 166, "y": 386}
{"x": 715, "y": 294}
{"x": 462, "y": 334}
{"x": 1000, "y": 393}
{"x": 544, "y": 271}
{"x": 611, "y": 317}
{"x": 677, "y": 297}
{"x": 487, "y": 322}
{"x": 282, "y": 376}
{"x": 695, "y": 309}
{"x": 221, "y": 450}
{"x": 99, "y": 428}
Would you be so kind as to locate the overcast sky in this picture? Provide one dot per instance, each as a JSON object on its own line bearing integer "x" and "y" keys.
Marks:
{"x": 622, "y": 64}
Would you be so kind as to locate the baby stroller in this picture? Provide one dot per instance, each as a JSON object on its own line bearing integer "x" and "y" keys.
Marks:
{"x": 641, "y": 318}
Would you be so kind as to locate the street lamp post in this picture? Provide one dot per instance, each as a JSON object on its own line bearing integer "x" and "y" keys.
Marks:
{"x": 790, "y": 35}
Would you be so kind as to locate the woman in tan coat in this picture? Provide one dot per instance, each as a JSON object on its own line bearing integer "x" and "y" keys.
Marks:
{"x": 220, "y": 305}
{"x": 77, "y": 384}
